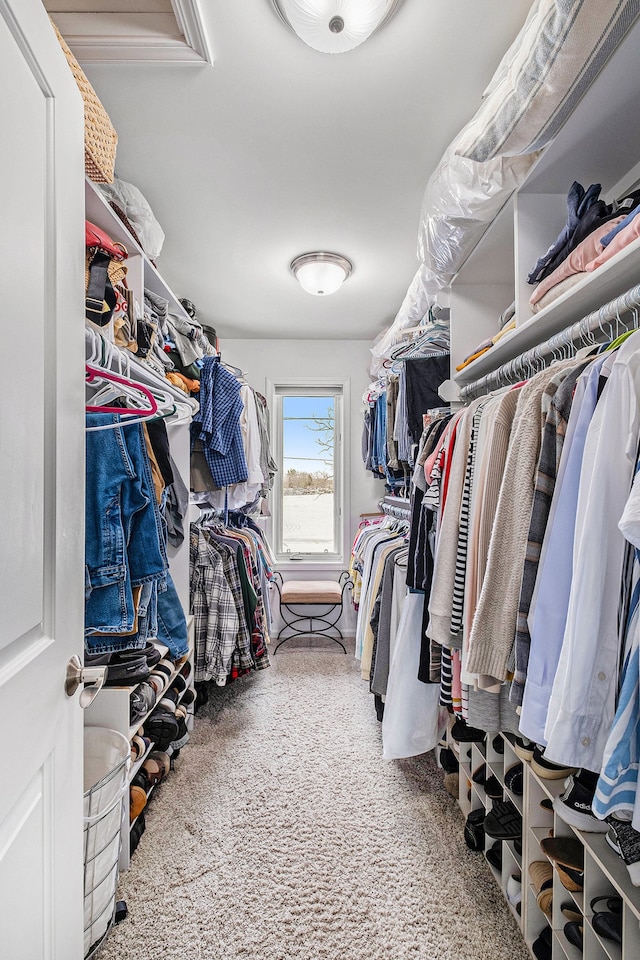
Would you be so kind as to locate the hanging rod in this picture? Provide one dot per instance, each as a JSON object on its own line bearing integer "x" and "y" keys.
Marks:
{"x": 400, "y": 511}
{"x": 589, "y": 330}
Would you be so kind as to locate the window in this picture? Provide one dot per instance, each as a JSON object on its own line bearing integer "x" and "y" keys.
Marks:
{"x": 308, "y": 494}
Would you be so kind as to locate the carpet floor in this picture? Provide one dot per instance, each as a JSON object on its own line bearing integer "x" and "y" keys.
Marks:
{"x": 283, "y": 835}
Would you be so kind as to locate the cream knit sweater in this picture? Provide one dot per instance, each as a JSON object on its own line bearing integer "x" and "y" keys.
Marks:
{"x": 494, "y": 624}
{"x": 489, "y": 471}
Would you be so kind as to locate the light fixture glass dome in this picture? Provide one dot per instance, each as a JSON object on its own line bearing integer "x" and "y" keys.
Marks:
{"x": 321, "y": 273}
{"x": 335, "y": 26}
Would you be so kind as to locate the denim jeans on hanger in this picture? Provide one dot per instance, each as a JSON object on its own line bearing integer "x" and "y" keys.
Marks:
{"x": 123, "y": 539}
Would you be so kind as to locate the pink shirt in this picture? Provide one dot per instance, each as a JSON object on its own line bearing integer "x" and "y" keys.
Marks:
{"x": 578, "y": 259}
{"x": 619, "y": 242}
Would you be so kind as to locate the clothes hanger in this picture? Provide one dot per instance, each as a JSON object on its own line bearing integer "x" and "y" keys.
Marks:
{"x": 93, "y": 373}
{"x": 107, "y": 355}
{"x": 433, "y": 342}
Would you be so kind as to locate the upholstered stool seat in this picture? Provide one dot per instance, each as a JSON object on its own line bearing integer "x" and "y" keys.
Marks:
{"x": 311, "y": 592}
{"x": 325, "y": 595}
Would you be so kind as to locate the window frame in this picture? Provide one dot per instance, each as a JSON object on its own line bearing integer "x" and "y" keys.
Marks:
{"x": 306, "y": 386}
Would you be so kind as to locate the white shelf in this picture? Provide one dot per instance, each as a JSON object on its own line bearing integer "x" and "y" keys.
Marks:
{"x": 612, "y": 867}
{"x": 610, "y": 280}
{"x": 99, "y": 212}
{"x": 496, "y": 270}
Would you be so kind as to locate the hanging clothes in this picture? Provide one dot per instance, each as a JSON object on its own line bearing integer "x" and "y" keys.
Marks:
{"x": 238, "y": 471}
{"x": 129, "y": 594}
{"x": 231, "y": 566}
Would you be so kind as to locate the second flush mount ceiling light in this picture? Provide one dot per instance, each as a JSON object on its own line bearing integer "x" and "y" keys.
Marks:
{"x": 321, "y": 273}
{"x": 335, "y": 26}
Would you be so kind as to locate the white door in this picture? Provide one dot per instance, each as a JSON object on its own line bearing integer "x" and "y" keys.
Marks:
{"x": 41, "y": 489}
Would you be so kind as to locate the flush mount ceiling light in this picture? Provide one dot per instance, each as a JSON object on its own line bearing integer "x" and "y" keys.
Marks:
{"x": 321, "y": 273}
{"x": 335, "y": 26}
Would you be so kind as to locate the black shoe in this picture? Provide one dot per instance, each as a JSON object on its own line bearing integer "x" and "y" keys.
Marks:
{"x": 574, "y": 805}
{"x": 546, "y": 769}
{"x": 480, "y": 775}
{"x": 474, "y": 830}
{"x": 608, "y": 903}
{"x": 136, "y": 832}
{"x": 463, "y": 733}
{"x": 163, "y": 728}
{"x": 503, "y": 822}
{"x": 608, "y": 925}
{"x": 494, "y": 855}
{"x": 498, "y": 744}
{"x": 513, "y": 779}
{"x": 523, "y": 748}
{"x": 493, "y": 788}
{"x": 141, "y": 700}
{"x": 542, "y": 946}
{"x": 570, "y": 911}
{"x": 571, "y": 879}
{"x": 573, "y": 931}
{"x": 622, "y": 836}
{"x": 448, "y": 761}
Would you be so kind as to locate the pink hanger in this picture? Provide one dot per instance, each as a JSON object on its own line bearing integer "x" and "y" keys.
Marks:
{"x": 93, "y": 373}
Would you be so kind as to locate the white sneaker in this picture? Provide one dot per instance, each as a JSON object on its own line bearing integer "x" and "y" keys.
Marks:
{"x": 514, "y": 889}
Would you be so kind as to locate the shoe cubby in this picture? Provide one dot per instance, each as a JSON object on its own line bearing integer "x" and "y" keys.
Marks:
{"x": 605, "y": 873}
{"x": 511, "y": 867}
{"x": 463, "y": 754}
{"x": 563, "y": 948}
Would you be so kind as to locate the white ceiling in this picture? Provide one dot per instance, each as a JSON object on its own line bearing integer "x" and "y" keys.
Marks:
{"x": 277, "y": 150}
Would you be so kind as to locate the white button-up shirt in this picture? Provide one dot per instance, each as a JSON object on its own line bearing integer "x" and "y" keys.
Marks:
{"x": 582, "y": 704}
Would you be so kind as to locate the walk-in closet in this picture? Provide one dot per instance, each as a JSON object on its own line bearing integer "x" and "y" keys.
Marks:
{"x": 320, "y": 436}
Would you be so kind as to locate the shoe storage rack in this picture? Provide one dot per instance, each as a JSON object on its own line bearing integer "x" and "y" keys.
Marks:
{"x": 111, "y": 708}
{"x": 605, "y": 873}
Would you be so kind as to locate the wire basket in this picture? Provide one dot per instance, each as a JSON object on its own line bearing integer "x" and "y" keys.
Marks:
{"x": 106, "y": 769}
{"x": 100, "y": 137}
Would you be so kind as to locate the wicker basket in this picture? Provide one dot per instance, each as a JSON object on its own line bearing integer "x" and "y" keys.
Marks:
{"x": 100, "y": 139}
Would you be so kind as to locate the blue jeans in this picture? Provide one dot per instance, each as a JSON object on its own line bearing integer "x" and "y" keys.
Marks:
{"x": 172, "y": 624}
{"x": 124, "y": 543}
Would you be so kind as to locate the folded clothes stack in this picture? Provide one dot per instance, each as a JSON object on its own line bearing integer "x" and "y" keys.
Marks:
{"x": 490, "y": 342}
{"x": 595, "y": 232}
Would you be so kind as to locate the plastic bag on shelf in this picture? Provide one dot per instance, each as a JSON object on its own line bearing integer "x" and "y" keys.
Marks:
{"x": 411, "y": 723}
{"x": 461, "y": 199}
{"x": 138, "y": 212}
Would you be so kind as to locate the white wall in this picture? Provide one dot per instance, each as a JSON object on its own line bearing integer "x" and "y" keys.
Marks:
{"x": 277, "y": 360}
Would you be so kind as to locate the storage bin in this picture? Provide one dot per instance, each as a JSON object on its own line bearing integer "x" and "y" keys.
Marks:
{"x": 106, "y": 769}
{"x": 100, "y": 137}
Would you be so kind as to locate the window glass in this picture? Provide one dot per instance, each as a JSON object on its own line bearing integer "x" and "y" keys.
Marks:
{"x": 308, "y": 488}
{"x": 308, "y": 507}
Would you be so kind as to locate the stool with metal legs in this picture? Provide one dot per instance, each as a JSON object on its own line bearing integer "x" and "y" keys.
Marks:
{"x": 326, "y": 595}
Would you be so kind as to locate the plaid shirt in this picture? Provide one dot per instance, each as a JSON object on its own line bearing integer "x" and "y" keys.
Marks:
{"x": 217, "y": 424}
{"x": 222, "y": 640}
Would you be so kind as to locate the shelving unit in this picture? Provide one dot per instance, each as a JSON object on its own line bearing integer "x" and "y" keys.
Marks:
{"x": 495, "y": 273}
{"x": 604, "y": 872}
{"x": 598, "y": 144}
{"x": 142, "y": 273}
{"x": 111, "y": 708}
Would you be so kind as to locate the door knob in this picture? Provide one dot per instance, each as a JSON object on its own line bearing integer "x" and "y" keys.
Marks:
{"x": 92, "y": 677}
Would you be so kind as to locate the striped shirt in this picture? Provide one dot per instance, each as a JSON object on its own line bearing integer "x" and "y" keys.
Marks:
{"x": 617, "y": 787}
